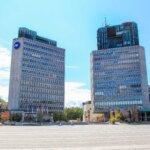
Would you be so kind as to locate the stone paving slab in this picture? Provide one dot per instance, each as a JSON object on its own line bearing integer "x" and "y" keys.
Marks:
{"x": 78, "y": 137}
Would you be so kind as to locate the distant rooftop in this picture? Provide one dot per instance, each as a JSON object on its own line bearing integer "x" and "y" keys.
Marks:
{"x": 87, "y": 102}
{"x": 30, "y": 34}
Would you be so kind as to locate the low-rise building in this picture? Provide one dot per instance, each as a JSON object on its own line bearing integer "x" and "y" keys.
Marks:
{"x": 89, "y": 115}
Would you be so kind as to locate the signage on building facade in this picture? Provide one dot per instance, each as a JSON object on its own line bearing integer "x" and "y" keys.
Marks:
{"x": 17, "y": 45}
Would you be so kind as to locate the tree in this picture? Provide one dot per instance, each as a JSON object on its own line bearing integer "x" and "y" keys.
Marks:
{"x": 112, "y": 119}
{"x": 16, "y": 117}
{"x": 74, "y": 113}
{"x": 59, "y": 117}
{"x": 39, "y": 117}
{"x": 120, "y": 117}
{"x": 4, "y": 116}
{"x": 3, "y": 105}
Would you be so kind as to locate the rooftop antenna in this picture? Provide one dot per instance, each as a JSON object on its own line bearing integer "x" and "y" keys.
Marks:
{"x": 105, "y": 21}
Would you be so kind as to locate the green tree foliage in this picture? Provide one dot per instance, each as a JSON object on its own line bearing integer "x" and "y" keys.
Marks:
{"x": 3, "y": 103}
{"x": 16, "y": 117}
{"x": 59, "y": 117}
{"x": 73, "y": 113}
{"x": 112, "y": 120}
{"x": 120, "y": 116}
{"x": 39, "y": 117}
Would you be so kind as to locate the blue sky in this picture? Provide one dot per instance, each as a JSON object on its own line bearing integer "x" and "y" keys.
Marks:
{"x": 73, "y": 24}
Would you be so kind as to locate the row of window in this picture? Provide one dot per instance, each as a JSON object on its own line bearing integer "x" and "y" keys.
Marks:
{"x": 43, "y": 102}
{"x": 116, "y": 57}
{"x": 111, "y": 53}
{"x": 129, "y": 50}
{"x": 116, "y": 72}
{"x": 121, "y": 66}
{"x": 38, "y": 91}
{"x": 125, "y": 81}
{"x": 51, "y": 85}
{"x": 44, "y": 48}
{"x": 35, "y": 73}
{"x": 117, "y": 51}
{"x": 112, "y": 62}
{"x": 35, "y": 86}
{"x": 54, "y": 66}
{"x": 38, "y": 57}
{"x": 121, "y": 87}
{"x": 118, "y": 76}
{"x": 52, "y": 55}
{"x": 32, "y": 72}
{"x": 118, "y": 97}
{"x": 115, "y": 92}
{"x": 109, "y": 103}
{"x": 26, "y": 79}
{"x": 29, "y": 108}
{"x": 41, "y": 98}
{"x": 48, "y": 68}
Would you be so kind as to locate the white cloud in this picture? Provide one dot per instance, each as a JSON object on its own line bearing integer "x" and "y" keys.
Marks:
{"x": 5, "y": 59}
{"x": 4, "y": 74}
{"x": 4, "y": 92}
{"x": 75, "y": 94}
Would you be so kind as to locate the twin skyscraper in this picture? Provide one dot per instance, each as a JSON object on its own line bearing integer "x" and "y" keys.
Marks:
{"x": 37, "y": 74}
{"x": 118, "y": 72}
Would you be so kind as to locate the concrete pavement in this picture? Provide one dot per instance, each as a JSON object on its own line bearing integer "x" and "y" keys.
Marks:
{"x": 77, "y": 137}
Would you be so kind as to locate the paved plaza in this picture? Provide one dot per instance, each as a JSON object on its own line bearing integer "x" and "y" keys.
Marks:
{"x": 76, "y": 137}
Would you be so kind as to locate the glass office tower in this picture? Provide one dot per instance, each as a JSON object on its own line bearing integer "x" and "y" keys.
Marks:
{"x": 122, "y": 35}
{"x": 37, "y": 74}
{"x": 118, "y": 75}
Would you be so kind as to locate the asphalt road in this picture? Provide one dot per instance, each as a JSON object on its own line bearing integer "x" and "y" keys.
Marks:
{"x": 77, "y": 137}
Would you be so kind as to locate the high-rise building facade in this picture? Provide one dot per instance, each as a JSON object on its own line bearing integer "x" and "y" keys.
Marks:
{"x": 122, "y": 35}
{"x": 119, "y": 77}
{"x": 37, "y": 74}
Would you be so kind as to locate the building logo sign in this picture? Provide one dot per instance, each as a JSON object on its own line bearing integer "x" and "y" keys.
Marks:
{"x": 16, "y": 45}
